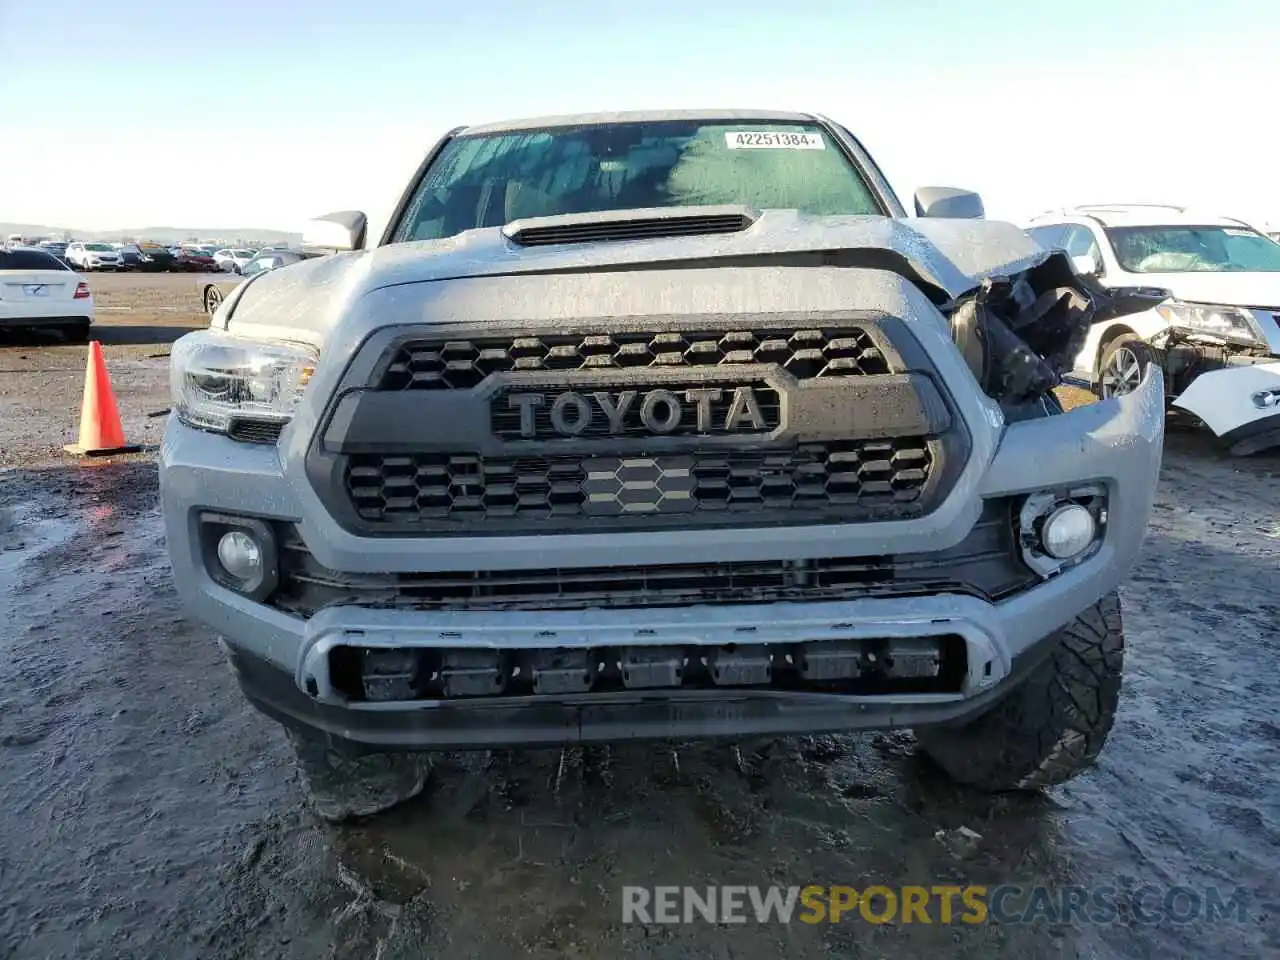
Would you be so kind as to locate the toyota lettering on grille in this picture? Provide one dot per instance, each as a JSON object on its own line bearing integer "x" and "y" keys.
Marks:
{"x": 657, "y": 412}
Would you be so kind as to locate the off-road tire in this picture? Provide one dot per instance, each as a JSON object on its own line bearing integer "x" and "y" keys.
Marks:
{"x": 342, "y": 788}
{"x": 1052, "y": 725}
{"x": 1141, "y": 350}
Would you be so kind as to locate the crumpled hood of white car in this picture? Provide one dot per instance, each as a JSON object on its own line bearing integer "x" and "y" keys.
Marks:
{"x": 308, "y": 299}
{"x": 1229, "y": 289}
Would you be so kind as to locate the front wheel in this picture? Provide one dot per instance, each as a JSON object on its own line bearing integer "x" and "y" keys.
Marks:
{"x": 1124, "y": 362}
{"x": 1054, "y": 724}
{"x": 342, "y": 788}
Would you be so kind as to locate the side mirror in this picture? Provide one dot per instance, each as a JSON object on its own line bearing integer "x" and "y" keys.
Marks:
{"x": 949, "y": 202}
{"x": 1086, "y": 265}
{"x": 344, "y": 230}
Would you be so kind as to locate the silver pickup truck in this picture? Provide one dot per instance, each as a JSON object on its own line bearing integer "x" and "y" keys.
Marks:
{"x": 660, "y": 425}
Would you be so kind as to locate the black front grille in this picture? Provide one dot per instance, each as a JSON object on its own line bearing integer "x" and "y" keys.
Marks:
{"x": 859, "y": 478}
{"x": 985, "y": 565}
{"x": 714, "y": 421}
{"x": 636, "y": 229}
{"x": 422, "y": 364}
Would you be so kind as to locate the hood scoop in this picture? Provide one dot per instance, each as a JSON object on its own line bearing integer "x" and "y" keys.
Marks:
{"x": 614, "y": 225}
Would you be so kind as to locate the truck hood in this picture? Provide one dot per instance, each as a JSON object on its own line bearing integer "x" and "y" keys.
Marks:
{"x": 946, "y": 258}
{"x": 1227, "y": 289}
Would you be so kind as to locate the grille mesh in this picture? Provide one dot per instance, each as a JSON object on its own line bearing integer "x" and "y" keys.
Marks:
{"x": 541, "y": 461}
{"x": 462, "y": 364}
{"x": 855, "y": 475}
{"x": 985, "y": 564}
{"x": 254, "y": 431}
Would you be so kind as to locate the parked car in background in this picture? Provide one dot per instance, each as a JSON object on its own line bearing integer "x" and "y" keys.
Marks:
{"x": 233, "y": 261}
{"x": 93, "y": 256}
{"x": 57, "y": 247}
{"x": 1220, "y": 323}
{"x": 193, "y": 260}
{"x": 156, "y": 257}
{"x": 39, "y": 290}
{"x": 132, "y": 256}
{"x": 213, "y": 291}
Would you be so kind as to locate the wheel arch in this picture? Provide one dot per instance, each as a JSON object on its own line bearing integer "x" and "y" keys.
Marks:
{"x": 1112, "y": 333}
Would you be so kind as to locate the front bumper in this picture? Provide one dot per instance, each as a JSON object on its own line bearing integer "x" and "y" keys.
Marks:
{"x": 282, "y": 664}
{"x": 550, "y": 721}
{"x": 1241, "y": 403}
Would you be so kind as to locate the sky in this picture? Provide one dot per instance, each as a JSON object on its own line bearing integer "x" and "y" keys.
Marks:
{"x": 127, "y": 114}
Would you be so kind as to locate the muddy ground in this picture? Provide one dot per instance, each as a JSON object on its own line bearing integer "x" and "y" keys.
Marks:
{"x": 150, "y": 813}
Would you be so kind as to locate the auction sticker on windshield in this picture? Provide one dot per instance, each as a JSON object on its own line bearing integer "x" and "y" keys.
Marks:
{"x": 763, "y": 139}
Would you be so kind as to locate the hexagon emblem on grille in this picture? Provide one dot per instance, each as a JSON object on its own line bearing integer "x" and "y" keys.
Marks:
{"x": 638, "y": 485}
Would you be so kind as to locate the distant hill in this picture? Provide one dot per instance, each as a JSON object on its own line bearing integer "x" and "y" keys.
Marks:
{"x": 250, "y": 236}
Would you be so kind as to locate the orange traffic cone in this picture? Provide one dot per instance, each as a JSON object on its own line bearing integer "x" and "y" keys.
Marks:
{"x": 101, "y": 432}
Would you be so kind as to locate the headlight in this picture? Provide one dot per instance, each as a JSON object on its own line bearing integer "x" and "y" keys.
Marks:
{"x": 216, "y": 378}
{"x": 1068, "y": 531}
{"x": 1232, "y": 323}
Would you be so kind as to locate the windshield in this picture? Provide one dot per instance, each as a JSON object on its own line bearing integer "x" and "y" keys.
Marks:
{"x": 490, "y": 180}
{"x": 242, "y": 253}
{"x": 100, "y": 247}
{"x": 1194, "y": 250}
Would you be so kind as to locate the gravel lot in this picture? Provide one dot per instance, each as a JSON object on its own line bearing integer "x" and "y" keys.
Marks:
{"x": 153, "y": 814}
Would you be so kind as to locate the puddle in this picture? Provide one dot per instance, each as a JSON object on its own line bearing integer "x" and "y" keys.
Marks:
{"x": 24, "y": 535}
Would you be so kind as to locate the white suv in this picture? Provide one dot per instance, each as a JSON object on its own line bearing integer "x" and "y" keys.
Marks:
{"x": 1223, "y": 311}
{"x": 94, "y": 256}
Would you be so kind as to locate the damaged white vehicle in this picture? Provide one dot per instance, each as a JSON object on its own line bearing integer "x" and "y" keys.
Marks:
{"x": 1216, "y": 336}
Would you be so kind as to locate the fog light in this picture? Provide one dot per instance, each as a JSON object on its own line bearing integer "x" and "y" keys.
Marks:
{"x": 1068, "y": 531}
{"x": 240, "y": 555}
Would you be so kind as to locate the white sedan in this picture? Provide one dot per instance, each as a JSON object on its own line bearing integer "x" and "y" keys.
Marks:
{"x": 94, "y": 256}
{"x": 233, "y": 261}
{"x": 39, "y": 290}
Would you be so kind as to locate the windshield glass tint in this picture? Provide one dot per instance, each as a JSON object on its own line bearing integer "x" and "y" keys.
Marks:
{"x": 1194, "y": 250}
{"x": 29, "y": 260}
{"x": 488, "y": 181}
{"x": 100, "y": 247}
